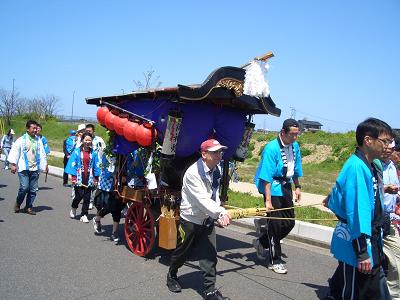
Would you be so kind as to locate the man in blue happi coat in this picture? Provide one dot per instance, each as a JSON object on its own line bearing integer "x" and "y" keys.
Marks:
{"x": 280, "y": 166}
{"x": 357, "y": 202}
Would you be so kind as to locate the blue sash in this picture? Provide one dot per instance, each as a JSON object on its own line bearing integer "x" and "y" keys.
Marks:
{"x": 24, "y": 151}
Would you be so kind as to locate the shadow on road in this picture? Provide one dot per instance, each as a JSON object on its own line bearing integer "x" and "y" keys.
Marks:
{"x": 2, "y": 185}
{"x": 1, "y": 199}
{"x": 42, "y": 208}
{"x": 45, "y": 188}
{"x": 320, "y": 290}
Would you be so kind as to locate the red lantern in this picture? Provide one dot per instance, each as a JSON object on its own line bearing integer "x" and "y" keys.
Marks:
{"x": 130, "y": 131}
{"x": 119, "y": 124}
{"x": 110, "y": 119}
{"x": 101, "y": 114}
{"x": 143, "y": 134}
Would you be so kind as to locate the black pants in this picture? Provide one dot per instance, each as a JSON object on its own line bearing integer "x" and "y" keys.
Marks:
{"x": 192, "y": 235}
{"x": 276, "y": 230}
{"x": 65, "y": 175}
{"x": 348, "y": 283}
{"x": 82, "y": 193}
{"x": 106, "y": 203}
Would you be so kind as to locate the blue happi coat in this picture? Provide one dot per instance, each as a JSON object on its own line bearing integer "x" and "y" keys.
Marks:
{"x": 107, "y": 173}
{"x": 353, "y": 200}
{"x": 74, "y": 166}
{"x": 271, "y": 165}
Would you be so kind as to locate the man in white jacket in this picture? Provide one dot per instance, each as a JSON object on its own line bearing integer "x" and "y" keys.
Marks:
{"x": 200, "y": 207}
{"x": 27, "y": 155}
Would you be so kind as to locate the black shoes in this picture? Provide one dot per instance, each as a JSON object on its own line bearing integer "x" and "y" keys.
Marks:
{"x": 215, "y": 295}
{"x": 173, "y": 284}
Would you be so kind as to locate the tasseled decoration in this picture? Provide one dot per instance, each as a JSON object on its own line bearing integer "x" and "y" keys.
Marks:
{"x": 255, "y": 83}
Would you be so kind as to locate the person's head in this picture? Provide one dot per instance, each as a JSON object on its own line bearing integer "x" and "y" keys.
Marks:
{"x": 38, "y": 129}
{"x": 387, "y": 152}
{"x": 211, "y": 152}
{"x": 374, "y": 136}
{"x": 290, "y": 131}
{"x": 87, "y": 139}
{"x": 72, "y": 132}
{"x": 90, "y": 128}
{"x": 10, "y": 132}
{"x": 81, "y": 128}
{"x": 395, "y": 156}
{"x": 31, "y": 128}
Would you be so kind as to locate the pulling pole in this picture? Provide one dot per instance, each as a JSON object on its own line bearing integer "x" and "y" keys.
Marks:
{"x": 264, "y": 57}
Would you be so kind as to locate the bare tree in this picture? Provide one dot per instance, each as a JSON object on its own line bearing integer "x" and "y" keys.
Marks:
{"x": 50, "y": 105}
{"x": 7, "y": 104}
{"x": 150, "y": 81}
{"x": 21, "y": 106}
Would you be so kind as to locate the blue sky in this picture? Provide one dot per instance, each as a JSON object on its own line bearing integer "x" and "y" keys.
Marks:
{"x": 336, "y": 62}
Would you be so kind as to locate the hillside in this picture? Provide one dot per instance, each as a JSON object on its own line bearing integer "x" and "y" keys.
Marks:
{"x": 323, "y": 155}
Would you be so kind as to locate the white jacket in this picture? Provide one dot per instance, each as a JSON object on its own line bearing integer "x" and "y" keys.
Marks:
{"x": 196, "y": 204}
{"x": 17, "y": 155}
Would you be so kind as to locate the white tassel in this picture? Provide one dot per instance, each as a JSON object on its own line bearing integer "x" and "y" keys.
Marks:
{"x": 255, "y": 83}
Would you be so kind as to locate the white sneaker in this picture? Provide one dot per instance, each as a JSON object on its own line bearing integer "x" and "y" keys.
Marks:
{"x": 72, "y": 213}
{"x": 5, "y": 168}
{"x": 84, "y": 219}
{"x": 96, "y": 225}
{"x": 260, "y": 251}
{"x": 90, "y": 206}
{"x": 277, "y": 268}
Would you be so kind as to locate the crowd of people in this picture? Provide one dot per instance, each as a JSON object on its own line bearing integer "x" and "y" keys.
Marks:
{"x": 365, "y": 199}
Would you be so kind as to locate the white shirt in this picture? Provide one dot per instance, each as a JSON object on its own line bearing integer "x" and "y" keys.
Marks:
{"x": 289, "y": 157}
{"x": 16, "y": 155}
{"x": 196, "y": 204}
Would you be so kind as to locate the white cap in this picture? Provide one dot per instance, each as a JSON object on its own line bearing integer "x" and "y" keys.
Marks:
{"x": 81, "y": 127}
{"x": 12, "y": 131}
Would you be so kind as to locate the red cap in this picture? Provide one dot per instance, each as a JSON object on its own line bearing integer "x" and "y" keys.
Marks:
{"x": 211, "y": 145}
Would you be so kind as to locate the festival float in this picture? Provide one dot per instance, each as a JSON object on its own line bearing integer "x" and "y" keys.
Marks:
{"x": 164, "y": 127}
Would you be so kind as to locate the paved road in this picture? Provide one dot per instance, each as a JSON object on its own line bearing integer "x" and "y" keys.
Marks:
{"x": 49, "y": 256}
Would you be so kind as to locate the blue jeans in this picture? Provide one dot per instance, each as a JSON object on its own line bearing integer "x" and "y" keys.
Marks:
{"x": 6, "y": 151}
{"x": 28, "y": 184}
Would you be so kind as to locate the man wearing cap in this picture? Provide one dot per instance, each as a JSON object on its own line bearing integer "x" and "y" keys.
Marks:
{"x": 68, "y": 147}
{"x": 5, "y": 146}
{"x": 81, "y": 129}
{"x": 200, "y": 208}
{"x": 279, "y": 167}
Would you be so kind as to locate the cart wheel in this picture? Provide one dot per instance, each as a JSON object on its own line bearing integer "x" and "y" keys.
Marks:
{"x": 139, "y": 229}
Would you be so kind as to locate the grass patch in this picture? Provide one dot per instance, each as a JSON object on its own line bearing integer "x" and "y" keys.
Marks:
{"x": 55, "y": 161}
{"x": 245, "y": 200}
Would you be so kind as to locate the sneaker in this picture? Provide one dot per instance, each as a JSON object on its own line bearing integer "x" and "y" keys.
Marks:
{"x": 260, "y": 251}
{"x": 84, "y": 219}
{"x": 114, "y": 237}
{"x": 91, "y": 206}
{"x": 72, "y": 213}
{"x": 17, "y": 208}
{"x": 65, "y": 185}
{"x": 6, "y": 168}
{"x": 96, "y": 226}
{"x": 277, "y": 268}
{"x": 173, "y": 284}
{"x": 215, "y": 295}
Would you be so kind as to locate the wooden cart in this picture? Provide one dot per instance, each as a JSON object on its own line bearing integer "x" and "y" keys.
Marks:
{"x": 177, "y": 119}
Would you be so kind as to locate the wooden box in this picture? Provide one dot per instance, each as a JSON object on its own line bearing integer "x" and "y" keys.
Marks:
{"x": 131, "y": 194}
{"x": 167, "y": 233}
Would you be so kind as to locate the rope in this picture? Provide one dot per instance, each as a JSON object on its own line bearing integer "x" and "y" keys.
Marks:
{"x": 298, "y": 219}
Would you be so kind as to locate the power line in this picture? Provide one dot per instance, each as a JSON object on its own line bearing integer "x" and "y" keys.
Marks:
{"x": 325, "y": 119}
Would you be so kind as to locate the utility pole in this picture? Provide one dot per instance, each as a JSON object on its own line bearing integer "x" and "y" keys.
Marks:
{"x": 292, "y": 113}
{"x": 73, "y": 100}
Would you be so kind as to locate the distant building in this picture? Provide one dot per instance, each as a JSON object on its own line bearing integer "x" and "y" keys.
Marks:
{"x": 306, "y": 125}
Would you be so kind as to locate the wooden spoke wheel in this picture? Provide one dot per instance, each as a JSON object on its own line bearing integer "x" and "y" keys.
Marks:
{"x": 139, "y": 229}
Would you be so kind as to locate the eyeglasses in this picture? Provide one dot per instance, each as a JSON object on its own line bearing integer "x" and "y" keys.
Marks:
{"x": 386, "y": 143}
